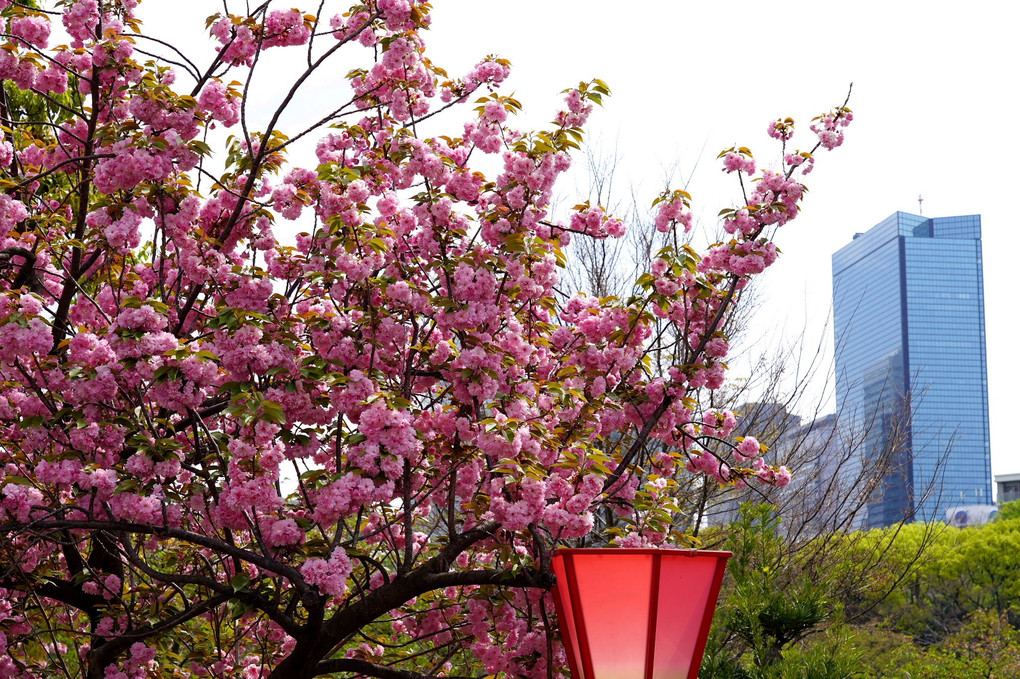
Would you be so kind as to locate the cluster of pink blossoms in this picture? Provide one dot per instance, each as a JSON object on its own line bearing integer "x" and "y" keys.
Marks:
{"x": 781, "y": 129}
{"x": 285, "y": 28}
{"x": 673, "y": 210}
{"x": 220, "y": 103}
{"x": 34, "y": 31}
{"x": 596, "y": 223}
{"x": 577, "y": 111}
{"x": 80, "y": 20}
{"x": 829, "y": 127}
{"x": 738, "y": 162}
{"x": 329, "y": 575}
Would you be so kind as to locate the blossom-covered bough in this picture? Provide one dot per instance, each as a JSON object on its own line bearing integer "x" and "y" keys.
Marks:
{"x": 230, "y": 453}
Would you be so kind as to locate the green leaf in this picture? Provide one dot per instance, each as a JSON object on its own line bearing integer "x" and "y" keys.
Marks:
{"x": 514, "y": 243}
{"x": 273, "y": 412}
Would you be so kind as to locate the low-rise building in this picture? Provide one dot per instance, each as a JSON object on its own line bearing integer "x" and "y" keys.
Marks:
{"x": 1007, "y": 488}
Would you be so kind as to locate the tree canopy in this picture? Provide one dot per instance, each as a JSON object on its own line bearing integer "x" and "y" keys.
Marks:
{"x": 274, "y": 419}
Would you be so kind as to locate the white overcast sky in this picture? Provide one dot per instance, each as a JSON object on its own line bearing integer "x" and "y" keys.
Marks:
{"x": 935, "y": 98}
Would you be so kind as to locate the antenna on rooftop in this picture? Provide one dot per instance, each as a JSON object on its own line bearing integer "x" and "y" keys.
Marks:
{"x": 920, "y": 204}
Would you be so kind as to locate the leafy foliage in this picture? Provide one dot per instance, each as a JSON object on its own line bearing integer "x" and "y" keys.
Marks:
{"x": 770, "y": 607}
{"x": 909, "y": 601}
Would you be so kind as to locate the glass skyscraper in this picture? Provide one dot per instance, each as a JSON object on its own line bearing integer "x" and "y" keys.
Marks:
{"x": 911, "y": 377}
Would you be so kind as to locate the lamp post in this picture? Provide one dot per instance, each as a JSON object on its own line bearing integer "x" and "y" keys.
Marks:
{"x": 636, "y": 613}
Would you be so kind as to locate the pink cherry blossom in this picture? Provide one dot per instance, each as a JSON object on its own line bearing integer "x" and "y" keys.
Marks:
{"x": 256, "y": 403}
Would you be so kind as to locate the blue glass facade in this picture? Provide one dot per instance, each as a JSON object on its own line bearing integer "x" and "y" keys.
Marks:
{"x": 911, "y": 377}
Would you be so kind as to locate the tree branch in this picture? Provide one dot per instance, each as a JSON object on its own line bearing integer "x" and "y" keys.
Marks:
{"x": 368, "y": 669}
{"x": 262, "y": 562}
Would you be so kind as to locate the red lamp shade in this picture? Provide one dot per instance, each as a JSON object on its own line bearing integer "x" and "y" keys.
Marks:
{"x": 636, "y": 613}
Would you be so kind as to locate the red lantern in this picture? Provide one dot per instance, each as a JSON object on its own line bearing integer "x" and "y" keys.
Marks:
{"x": 636, "y": 613}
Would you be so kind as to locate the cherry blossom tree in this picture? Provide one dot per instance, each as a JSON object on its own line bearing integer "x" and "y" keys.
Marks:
{"x": 264, "y": 418}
